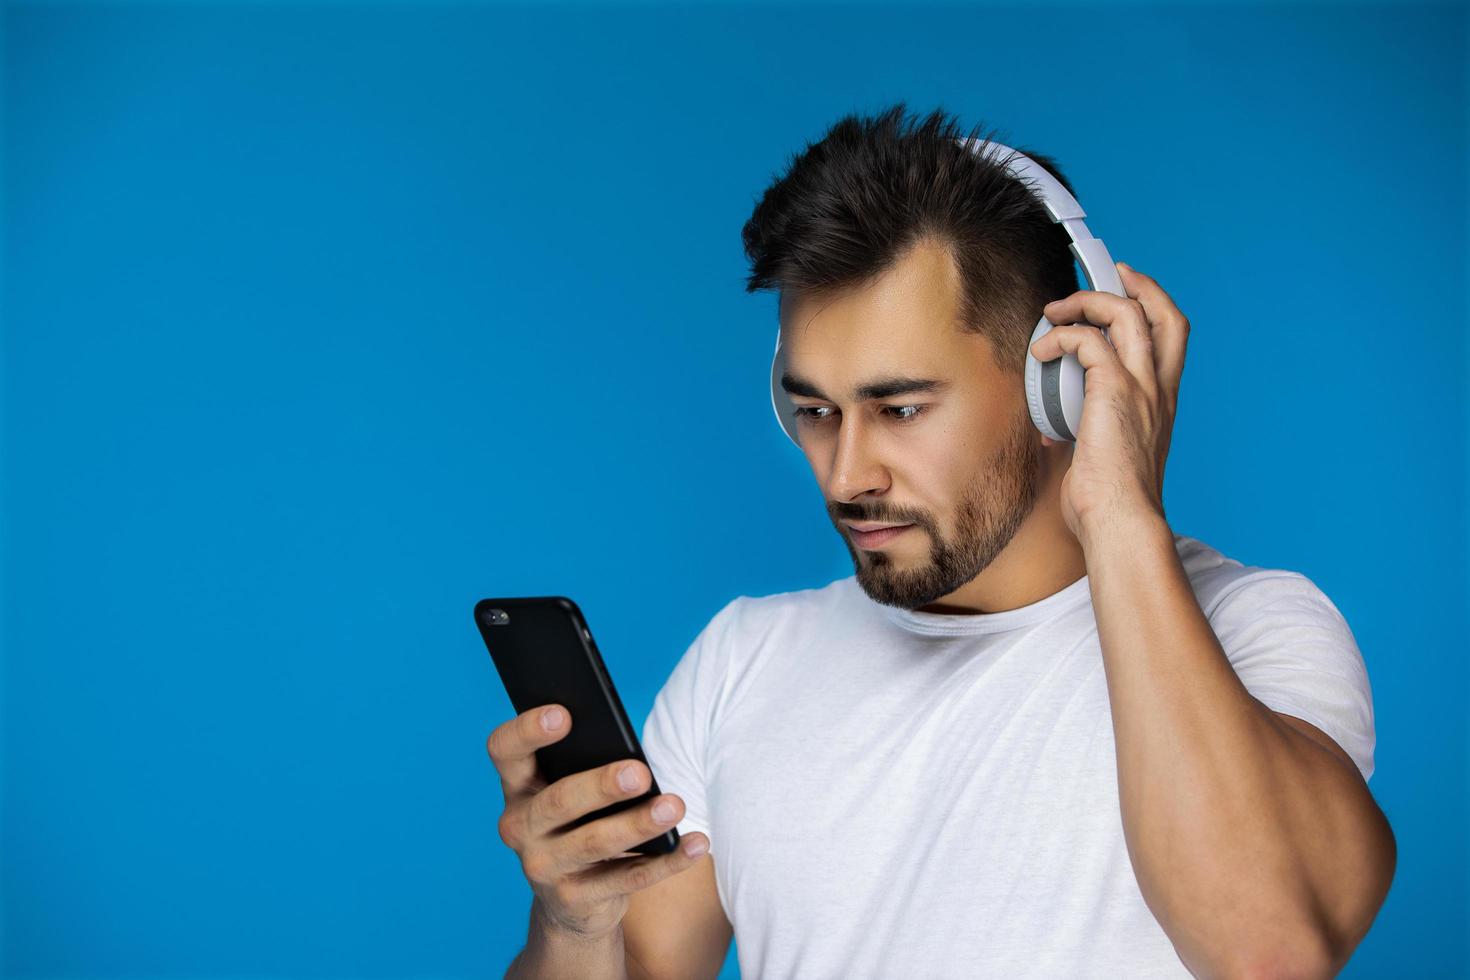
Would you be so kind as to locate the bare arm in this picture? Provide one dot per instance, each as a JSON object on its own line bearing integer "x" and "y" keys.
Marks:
{"x": 553, "y": 953}
{"x": 1257, "y": 846}
{"x": 677, "y": 929}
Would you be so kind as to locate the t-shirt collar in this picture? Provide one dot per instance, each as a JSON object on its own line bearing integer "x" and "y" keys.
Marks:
{"x": 1049, "y": 607}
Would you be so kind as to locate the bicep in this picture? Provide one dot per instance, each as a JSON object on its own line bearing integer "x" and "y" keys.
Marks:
{"x": 677, "y": 928}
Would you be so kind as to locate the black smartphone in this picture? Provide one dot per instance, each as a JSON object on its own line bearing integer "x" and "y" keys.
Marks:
{"x": 544, "y": 653}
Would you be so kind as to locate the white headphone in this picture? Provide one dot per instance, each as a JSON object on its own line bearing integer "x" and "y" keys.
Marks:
{"x": 1053, "y": 388}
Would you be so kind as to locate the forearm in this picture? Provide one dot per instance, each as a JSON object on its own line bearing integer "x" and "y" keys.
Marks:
{"x": 552, "y": 954}
{"x": 1239, "y": 848}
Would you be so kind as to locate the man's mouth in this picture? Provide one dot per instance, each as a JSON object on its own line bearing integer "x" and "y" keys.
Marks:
{"x": 877, "y": 538}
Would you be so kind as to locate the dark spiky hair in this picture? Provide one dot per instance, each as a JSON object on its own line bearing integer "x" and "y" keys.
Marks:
{"x": 853, "y": 203}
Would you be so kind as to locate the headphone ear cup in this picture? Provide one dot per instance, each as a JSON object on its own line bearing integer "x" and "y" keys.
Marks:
{"x": 1054, "y": 390}
{"x": 1037, "y": 384}
{"x": 781, "y": 402}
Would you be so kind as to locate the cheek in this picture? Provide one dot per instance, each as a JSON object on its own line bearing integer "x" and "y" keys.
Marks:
{"x": 941, "y": 469}
{"x": 961, "y": 463}
{"x": 953, "y": 452}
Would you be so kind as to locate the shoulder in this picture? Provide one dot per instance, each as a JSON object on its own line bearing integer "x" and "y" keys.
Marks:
{"x": 1290, "y": 646}
{"x": 781, "y": 611}
{"x": 1226, "y": 587}
{"x": 750, "y": 629}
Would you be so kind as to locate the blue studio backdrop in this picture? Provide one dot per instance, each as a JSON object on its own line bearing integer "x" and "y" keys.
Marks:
{"x": 321, "y": 322}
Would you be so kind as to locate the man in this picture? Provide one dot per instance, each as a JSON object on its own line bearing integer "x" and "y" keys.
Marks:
{"x": 1037, "y": 733}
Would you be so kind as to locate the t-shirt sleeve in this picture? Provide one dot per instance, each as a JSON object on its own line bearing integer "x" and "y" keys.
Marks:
{"x": 1293, "y": 650}
{"x": 676, "y": 734}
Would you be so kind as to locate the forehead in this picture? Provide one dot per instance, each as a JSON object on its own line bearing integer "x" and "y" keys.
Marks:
{"x": 906, "y": 321}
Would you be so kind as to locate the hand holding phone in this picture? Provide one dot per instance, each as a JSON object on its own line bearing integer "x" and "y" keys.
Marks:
{"x": 567, "y": 814}
{"x": 580, "y": 876}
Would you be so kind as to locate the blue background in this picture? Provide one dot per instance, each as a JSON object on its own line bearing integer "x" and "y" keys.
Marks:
{"x": 323, "y": 321}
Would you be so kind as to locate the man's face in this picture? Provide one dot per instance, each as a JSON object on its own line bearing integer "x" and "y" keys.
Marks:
{"x": 961, "y": 465}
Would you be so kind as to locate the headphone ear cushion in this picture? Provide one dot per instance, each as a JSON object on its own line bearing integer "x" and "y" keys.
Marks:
{"x": 1042, "y": 388}
{"x": 781, "y": 402}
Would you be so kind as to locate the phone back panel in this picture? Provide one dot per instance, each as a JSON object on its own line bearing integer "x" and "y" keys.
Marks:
{"x": 544, "y": 653}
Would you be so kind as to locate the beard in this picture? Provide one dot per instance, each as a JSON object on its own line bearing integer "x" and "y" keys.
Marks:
{"x": 990, "y": 513}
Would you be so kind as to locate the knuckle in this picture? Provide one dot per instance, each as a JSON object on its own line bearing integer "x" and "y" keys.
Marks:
{"x": 565, "y": 892}
{"x": 596, "y": 843}
{"x": 495, "y": 744}
{"x": 537, "y": 867}
{"x": 554, "y": 799}
{"x": 641, "y": 876}
{"x": 510, "y": 829}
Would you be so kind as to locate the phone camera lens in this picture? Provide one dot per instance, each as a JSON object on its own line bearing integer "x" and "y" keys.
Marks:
{"x": 499, "y": 617}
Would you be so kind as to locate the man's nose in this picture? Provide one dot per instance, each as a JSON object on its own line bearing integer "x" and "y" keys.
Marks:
{"x": 856, "y": 466}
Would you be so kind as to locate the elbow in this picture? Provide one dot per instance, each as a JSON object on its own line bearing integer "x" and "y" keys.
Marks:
{"x": 1286, "y": 947}
{"x": 1325, "y": 941}
{"x": 1311, "y": 957}
{"x": 1297, "y": 954}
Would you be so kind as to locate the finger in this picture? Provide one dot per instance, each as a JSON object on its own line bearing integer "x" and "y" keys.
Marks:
{"x": 635, "y": 874}
{"x": 512, "y": 747}
{"x": 1126, "y": 323}
{"x": 582, "y": 792}
{"x": 1168, "y": 325}
{"x": 610, "y": 836}
{"x": 1093, "y": 352}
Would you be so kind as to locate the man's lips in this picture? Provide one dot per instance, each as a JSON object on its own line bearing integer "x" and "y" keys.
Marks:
{"x": 868, "y": 540}
{"x": 857, "y": 526}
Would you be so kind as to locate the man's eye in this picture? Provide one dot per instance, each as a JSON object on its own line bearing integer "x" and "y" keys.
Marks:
{"x": 808, "y": 413}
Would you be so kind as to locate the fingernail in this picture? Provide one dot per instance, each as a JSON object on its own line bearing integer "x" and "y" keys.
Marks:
{"x": 695, "y": 847}
{"x": 551, "y": 719}
{"x": 628, "y": 777}
{"x": 663, "y": 811}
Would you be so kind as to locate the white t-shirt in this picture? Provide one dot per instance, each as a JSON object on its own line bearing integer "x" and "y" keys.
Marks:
{"x": 896, "y": 794}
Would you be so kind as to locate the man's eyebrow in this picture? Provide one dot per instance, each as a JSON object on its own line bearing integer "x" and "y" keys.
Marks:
{"x": 886, "y": 387}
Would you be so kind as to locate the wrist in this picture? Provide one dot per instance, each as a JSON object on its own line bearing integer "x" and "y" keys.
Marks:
{"x": 561, "y": 935}
{"x": 1126, "y": 527}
